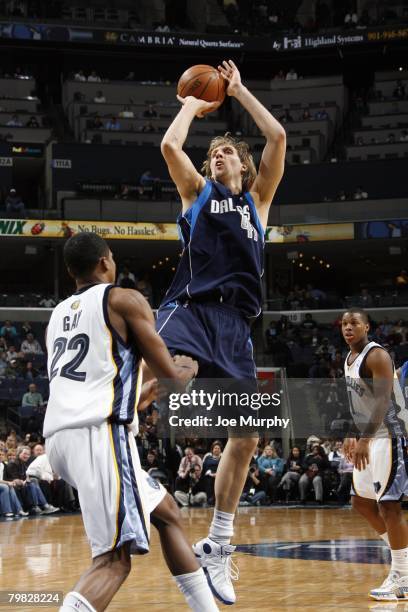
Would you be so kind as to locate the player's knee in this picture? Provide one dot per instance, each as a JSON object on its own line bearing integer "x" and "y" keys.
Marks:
{"x": 243, "y": 446}
{"x": 390, "y": 510}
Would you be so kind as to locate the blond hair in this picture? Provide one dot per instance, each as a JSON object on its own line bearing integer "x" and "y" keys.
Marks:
{"x": 244, "y": 154}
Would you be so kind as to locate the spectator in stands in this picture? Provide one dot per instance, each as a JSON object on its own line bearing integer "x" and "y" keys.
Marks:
{"x": 286, "y": 117}
{"x": 210, "y": 467}
{"x": 3, "y": 364}
{"x": 391, "y": 138}
{"x": 150, "y": 112}
{"x": 3, "y": 345}
{"x": 270, "y": 469}
{"x": 29, "y": 372}
{"x": 195, "y": 495}
{"x": 80, "y": 76}
{"x": 321, "y": 115}
{"x": 9, "y": 332}
{"x": 13, "y": 369}
{"x": 99, "y": 98}
{"x": 404, "y": 136}
{"x": 339, "y": 425}
{"x": 12, "y": 353}
{"x": 306, "y": 116}
{"x": 15, "y": 121}
{"x": 308, "y": 322}
{"x": 280, "y": 76}
{"x": 337, "y": 365}
{"x": 9, "y": 503}
{"x": 94, "y": 78}
{"x": 32, "y": 122}
{"x": 14, "y": 205}
{"x": 47, "y": 302}
{"x": 33, "y": 497}
{"x": 113, "y": 124}
{"x": 399, "y": 91}
{"x": 293, "y": 472}
{"x": 147, "y": 179}
{"x": 31, "y": 346}
{"x": 97, "y": 123}
{"x": 336, "y": 454}
{"x": 326, "y": 349}
{"x": 314, "y": 465}
{"x": 253, "y": 493}
{"x": 292, "y": 75}
{"x": 126, "y": 113}
{"x": 341, "y": 196}
{"x": 317, "y": 294}
{"x": 359, "y": 141}
{"x": 148, "y": 127}
{"x": 360, "y": 194}
{"x": 130, "y": 76}
{"x": 56, "y": 491}
{"x": 365, "y": 300}
{"x": 32, "y": 399}
{"x": 126, "y": 279}
{"x": 188, "y": 461}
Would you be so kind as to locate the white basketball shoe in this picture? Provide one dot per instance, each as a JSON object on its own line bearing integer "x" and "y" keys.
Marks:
{"x": 394, "y": 588}
{"x": 219, "y": 568}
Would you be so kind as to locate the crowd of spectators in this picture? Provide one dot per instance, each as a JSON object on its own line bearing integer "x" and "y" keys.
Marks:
{"x": 28, "y": 484}
{"x": 314, "y": 471}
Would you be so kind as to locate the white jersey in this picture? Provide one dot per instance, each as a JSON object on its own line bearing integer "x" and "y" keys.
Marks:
{"x": 362, "y": 401}
{"x": 93, "y": 374}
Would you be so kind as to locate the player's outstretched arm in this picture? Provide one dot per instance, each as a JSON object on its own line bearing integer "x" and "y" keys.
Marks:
{"x": 186, "y": 178}
{"x": 273, "y": 157}
{"x": 132, "y": 309}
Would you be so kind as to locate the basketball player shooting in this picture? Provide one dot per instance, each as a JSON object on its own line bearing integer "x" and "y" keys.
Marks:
{"x": 217, "y": 290}
{"x": 380, "y": 477}
{"x": 96, "y": 340}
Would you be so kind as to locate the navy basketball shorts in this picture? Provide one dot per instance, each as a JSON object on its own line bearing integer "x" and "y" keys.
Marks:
{"x": 216, "y": 336}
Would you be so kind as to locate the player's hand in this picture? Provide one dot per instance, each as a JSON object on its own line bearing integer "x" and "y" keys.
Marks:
{"x": 349, "y": 445}
{"x": 186, "y": 366}
{"x": 200, "y": 107}
{"x": 149, "y": 393}
{"x": 231, "y": 74}
{"x": 361, "y": 452}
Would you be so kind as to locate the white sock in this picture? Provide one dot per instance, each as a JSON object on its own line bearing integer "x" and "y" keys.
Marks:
{"x": 76, "y": 601}
{"x": 222, "y": 527}
{"x": 384, "y": 536}
{"x": 400, "y": 561}
{"x": 195, "y": 589}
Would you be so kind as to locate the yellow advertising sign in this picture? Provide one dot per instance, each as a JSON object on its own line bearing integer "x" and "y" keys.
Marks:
{"x": 51, "y": 228}
{"x": 309, "y": 233}
{"x": 120, "y": 230}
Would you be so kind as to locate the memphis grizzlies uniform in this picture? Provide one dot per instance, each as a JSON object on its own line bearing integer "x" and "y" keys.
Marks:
{"x": 217, "y": 288}
{"x": 385, "y": 477}
{"x": 95, "y": 385}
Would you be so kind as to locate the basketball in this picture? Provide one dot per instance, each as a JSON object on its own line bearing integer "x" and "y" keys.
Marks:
{"x": 202, "y": 81}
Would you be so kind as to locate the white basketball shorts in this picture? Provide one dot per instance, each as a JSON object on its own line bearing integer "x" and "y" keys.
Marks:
{"x": 115, "y": 494}
{"x": 385, "y": 478}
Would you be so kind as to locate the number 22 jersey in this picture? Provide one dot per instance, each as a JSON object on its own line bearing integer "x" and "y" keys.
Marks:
{"x": 93, "y": 373}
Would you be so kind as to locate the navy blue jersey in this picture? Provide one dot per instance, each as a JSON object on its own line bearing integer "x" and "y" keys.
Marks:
{"x": 222, "y": 259}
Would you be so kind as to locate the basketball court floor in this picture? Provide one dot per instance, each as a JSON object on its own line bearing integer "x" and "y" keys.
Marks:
{"x": 309, "y": 559}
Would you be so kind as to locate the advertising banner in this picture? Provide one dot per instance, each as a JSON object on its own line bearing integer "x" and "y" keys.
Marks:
{"x": 132, "y": 38}
{"x": 309, "y": 233}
